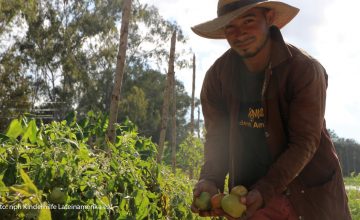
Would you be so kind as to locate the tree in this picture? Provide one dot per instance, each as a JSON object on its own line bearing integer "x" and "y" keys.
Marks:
{"x": 9, "y": 11}
{"x": 15, "y": 84}
{"x": 54, "y": 49}
{"x": 70, "y": 47}
{"x": 153, "y": 84}
{"x": 134, "y": 105}
{"x": 348, "y": 151}
{"x": 14, "y": 90}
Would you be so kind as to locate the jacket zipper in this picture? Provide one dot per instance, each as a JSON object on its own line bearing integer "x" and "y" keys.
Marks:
{"x": 268, "y": 73}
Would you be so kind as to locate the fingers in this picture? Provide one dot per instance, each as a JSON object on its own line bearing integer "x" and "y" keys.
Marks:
{"x": 205, "y": 185}
{"x": 254, "y": 196}
{"x": 243, "y": 200}
{"x": 219, "y": 212}
{"x": 254, "y": 202}
{"x": 250, "y": 198}
{"x": 196, "y": 191}
{"x": 194, "y": 209}
{"x": 199, "y": 187}
{"x": 244, "y": 217}
{"x": 205, "y": 213}
{"x": 213, "y": 213}
{"x": 228, "y": 217}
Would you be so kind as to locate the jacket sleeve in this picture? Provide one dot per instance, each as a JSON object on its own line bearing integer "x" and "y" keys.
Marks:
{"x": 307, "y": 86}
{"x": 216, "y": 151}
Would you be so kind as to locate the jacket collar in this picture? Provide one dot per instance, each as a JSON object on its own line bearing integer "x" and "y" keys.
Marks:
{"x": 279, "y": 49}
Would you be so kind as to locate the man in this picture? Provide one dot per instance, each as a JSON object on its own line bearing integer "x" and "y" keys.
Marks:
{"x": 264, "y": 102}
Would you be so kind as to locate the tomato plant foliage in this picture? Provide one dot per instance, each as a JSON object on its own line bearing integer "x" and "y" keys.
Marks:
{"x": 65, "y": 169}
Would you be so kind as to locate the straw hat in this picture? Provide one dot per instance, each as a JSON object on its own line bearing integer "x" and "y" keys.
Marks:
{"x": 228, "y": 10}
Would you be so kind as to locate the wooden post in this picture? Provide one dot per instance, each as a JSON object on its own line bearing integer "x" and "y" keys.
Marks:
{"x": 192, "y": 125}
{"x": 120, "y": 64}
{"x": 198, "y": 124}
{"x": 173, "y": 133}
{"x": 165, "y": 108}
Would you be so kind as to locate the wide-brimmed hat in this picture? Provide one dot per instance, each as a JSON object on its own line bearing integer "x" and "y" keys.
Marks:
{"x": 228, "y": 10}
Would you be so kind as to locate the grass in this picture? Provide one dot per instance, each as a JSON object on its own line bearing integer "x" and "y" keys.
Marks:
{"x": 353, "y": 191}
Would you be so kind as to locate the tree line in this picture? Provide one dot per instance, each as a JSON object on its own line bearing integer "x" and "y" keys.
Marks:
{"x": 348, "y": 151}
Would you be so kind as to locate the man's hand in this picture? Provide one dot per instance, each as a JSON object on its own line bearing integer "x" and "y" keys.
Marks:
{"x": 203, "y": 186}
{"x": 210, "y": 187}
{"x": 253, "y": 201}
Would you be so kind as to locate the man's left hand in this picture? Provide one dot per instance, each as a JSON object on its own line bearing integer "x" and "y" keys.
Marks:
{"x": 254, "y": 201}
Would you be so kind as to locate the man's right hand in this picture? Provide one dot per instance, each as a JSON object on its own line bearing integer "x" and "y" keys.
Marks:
{"x": 210, "y": 187}
{"x": 203, "y": 186}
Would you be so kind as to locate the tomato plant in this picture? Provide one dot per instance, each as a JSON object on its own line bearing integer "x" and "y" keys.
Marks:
{"x": 76, "y": 174}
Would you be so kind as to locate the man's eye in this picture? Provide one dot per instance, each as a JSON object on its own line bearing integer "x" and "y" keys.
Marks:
{"x": 248, "y": 21}
{"x": 229, "y": 29}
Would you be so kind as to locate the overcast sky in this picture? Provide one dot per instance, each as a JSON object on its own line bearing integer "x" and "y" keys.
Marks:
{"x": 327, "y": 29}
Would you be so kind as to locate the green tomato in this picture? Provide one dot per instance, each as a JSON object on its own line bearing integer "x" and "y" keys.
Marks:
{"x": 57, "y": 196}
{"x": 231, "y": 205}
{"x": 203, "y": 201}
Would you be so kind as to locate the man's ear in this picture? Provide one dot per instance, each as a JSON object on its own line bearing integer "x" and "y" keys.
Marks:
{"x": 270, "y": 16}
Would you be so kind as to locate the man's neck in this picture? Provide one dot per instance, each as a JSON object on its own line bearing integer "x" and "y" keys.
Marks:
{"x": 260, "y": 61}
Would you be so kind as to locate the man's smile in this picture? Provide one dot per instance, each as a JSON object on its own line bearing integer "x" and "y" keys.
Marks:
{"x": 243, "y": 44}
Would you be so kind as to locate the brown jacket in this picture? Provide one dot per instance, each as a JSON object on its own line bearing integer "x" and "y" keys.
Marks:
{"x": 306, "y": 167}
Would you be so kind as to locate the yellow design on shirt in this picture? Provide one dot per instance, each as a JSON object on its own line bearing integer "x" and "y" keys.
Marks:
{"x": 256, "y": 113}
{"x": 255, "y": 116}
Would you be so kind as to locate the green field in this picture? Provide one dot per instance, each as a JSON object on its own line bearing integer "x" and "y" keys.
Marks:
{"x": 353, "y": 191}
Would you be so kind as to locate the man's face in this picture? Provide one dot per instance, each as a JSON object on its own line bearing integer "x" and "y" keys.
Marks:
{"x": 248, "y": 34}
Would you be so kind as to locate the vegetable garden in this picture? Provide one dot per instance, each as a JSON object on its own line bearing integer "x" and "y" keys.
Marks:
{"x": 68, "y": 170}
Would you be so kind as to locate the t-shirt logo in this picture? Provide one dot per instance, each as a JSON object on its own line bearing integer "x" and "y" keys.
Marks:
{"x": 253, "y": 119}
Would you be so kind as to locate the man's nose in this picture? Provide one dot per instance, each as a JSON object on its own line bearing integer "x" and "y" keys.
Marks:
{"x": 239, "y": 33}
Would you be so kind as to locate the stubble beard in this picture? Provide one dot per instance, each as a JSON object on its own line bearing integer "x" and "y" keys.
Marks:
{"x": 245, "y": 53}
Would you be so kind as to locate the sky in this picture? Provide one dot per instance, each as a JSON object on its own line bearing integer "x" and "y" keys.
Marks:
{"x": 326, "y": 29}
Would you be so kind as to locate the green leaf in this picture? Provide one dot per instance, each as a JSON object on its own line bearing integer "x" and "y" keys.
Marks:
{"x": 22, "y": 189}
{"x": 71, "y": 118}
{"x": 71, "y": 142}
{"x": 40, "y": 141}
{"x": 28, "y": 182}
{"x": 3, "y": 187}
{"x": 31, "y": 132}
{"x": 9, "y": 177}
{"x": 3, "y": 138}
{"x": 45, "y": 213}
{"x": 15, "y": 129}
{"x": 105, "y": 200}
{"x": 142, "y": 203}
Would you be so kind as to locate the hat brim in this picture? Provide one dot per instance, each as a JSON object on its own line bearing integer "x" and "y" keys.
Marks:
{"x": 214, "y": 29}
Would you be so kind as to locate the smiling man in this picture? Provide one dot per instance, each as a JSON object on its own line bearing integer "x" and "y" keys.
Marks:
{"x": 264, "y": 102}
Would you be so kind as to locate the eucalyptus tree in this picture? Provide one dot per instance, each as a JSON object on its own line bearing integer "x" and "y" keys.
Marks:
{"x": 14, "y": 84}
